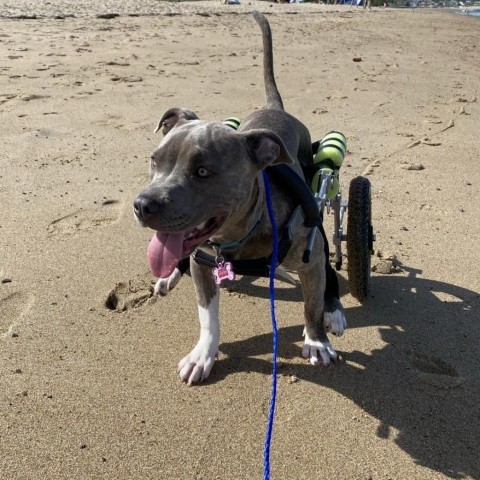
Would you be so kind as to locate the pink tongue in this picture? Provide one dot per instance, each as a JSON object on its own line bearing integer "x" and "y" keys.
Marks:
{"x": 164, "y": 252}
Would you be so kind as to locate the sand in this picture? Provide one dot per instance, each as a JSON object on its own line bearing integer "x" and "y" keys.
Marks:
{"x": 88, "y": 385}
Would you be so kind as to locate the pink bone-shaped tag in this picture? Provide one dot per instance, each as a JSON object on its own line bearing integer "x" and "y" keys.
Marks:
{"x": 223, "y": 271}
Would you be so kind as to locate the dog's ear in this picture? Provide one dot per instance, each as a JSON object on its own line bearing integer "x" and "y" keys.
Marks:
{"x": 173, "y": 116}
{"x": 266, "y": 148}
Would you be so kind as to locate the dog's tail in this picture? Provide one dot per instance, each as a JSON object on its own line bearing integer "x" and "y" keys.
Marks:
{"x": 274, "y": 100}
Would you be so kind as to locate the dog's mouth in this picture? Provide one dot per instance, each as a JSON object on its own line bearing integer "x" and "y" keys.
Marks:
{"x": 167, "y": 249}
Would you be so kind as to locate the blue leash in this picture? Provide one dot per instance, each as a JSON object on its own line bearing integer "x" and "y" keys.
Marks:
{"x": 273, "y": 397}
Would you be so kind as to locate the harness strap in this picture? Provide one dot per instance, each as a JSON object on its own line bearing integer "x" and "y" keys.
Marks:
{"x": 298, "y": 189}
{"x": 255, "y": 267}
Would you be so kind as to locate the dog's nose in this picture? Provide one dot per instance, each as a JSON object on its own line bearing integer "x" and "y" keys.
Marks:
{"x": 145, "y": 207}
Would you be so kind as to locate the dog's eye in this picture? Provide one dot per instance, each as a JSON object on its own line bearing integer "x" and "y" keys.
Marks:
{"x": 202, "y": 172}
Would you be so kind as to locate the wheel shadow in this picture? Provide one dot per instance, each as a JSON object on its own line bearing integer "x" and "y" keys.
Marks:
{"x": 425, "y": 381}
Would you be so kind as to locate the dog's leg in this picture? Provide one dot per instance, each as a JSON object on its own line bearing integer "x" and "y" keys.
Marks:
{"x": 333, "y": 318}
{"x": 197, "y": 365}
{"x": 164, "y": 285}
{"x": 316, "y": 345}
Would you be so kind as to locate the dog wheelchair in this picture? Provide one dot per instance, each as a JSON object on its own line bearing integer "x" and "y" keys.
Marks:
{"x": 359, "y": 237}
{"x": 319, "y": 193}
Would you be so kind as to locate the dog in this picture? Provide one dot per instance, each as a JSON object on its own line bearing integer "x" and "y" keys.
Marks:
{"x": 207, "y": 189}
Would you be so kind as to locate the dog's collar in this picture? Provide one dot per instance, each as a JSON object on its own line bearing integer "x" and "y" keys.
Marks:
{"x": 219, "y": 247}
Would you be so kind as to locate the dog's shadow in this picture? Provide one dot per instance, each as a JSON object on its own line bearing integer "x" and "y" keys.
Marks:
{"x": 425, "y": 381}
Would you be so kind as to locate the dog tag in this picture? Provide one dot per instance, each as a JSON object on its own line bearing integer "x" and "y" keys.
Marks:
{"x": 223, "y": 271}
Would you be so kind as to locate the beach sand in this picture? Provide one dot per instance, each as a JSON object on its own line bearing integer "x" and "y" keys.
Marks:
{"x": 88, "y": 384}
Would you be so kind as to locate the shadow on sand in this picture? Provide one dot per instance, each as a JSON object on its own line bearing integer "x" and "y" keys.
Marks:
{"x": 425, "y": 382}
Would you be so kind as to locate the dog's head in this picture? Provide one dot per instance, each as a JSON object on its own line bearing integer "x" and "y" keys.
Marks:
{"x": 203, "y": 179}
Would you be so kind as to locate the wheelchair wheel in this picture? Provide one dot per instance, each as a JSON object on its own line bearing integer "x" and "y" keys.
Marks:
{"x": 359, "y": 237}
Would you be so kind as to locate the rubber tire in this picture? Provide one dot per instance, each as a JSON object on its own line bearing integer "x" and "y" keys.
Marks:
{"x": 359, "y": 237}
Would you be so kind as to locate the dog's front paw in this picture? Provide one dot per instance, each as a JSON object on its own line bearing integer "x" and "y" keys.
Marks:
{"x": 197, "y": 365}
{"x": 164, "y": 285}
{"x": 315, "y": 349}
{"x": 334, "y": 319}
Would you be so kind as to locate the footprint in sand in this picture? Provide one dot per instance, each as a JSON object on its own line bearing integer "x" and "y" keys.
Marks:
{"x": 13, "y": 307}
{"x": 81, "y": 220}
{"x": 127, "y": 295}
{"x": 435, "y": 371}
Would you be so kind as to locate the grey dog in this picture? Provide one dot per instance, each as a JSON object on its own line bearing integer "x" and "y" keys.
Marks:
{"x": 207, "y": 190}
